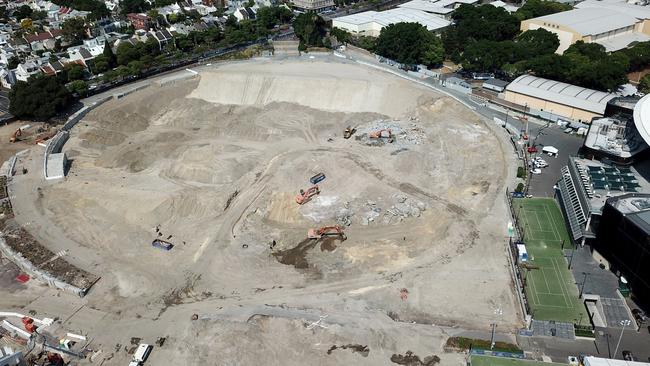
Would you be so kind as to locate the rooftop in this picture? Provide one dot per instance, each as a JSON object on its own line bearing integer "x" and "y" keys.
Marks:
{"x": 602, "y": 181}
{"x": 591, "y": 20}
{"x": 435, "y": 6}
{"x": 616, "y": 136}
{"x": 562, "y": 93}
{"x": 397, "y": 15}
{"x": 638, "y": 11}
{"x": 642, "y": 118}
{"x": 620, "y": 42}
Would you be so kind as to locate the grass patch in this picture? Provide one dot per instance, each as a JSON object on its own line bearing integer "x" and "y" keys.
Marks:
{"x": 551, "y": 290}
{"x": 464, "y": 344}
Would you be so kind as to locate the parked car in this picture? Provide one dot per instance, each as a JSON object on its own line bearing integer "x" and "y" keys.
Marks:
{"x": 532, "y": 150}
{"x": 628, "y": 356}
{"x": 639, "y": 315}
{"x": 536, "y": 171}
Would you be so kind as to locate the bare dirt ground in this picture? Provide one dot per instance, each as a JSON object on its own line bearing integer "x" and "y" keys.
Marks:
{"x": 213, "y": 166}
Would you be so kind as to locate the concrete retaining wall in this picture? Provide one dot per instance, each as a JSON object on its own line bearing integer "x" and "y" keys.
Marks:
{"x": 34, "y": 272}
{"x": 127, "y": 92}
{"x": 73, "y": 119}
{"x": 54, "y": 146}
{"x": 174, "y": 79}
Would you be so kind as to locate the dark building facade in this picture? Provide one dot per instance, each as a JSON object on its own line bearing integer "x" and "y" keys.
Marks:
{"x": 623, "y": 238}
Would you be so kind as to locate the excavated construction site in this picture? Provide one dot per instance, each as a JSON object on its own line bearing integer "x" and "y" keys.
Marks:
{"x": 213, "y": 165}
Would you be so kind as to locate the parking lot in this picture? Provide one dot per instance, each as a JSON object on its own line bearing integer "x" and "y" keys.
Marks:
{"x": 541, "y": 185}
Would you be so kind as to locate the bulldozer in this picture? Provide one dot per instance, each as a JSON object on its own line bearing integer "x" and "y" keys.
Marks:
{"x": 305, "y": 196}
{"x": 349, "y": 131}
{"x": 15, "y": 136}
{"x": 335, "y": 230}
{"x": 380, "y": 134}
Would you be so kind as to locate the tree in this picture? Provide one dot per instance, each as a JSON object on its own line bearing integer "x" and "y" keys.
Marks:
{"x": 644, "y": 84}
{"x": 74, "y": 30}
{"x": 100, "y": 64}
{"x": 79, "y": 87}
{"x": 341, "y": 35}
{"x": 474, "y": 23}
{"x": 126, "y": 52}
{"x": 310, "y": 29}
{"x": 134, "y": 6}
{"x": 486, "y": 55}
{"x": 638, "y": 56}
{"x": 537, "y": 42}
{"x": 75, "y": 72}
{"x": 270, "y": 16}
{"x": 538, "y": 8}
{"x": 14, "y": 61}
{"x": 409, "y": 43}
{"x": 109, "y": 55}
{"x": 23, "y": 12}
{"x": 97, "y": 8}
{"x": 41, "y": 97}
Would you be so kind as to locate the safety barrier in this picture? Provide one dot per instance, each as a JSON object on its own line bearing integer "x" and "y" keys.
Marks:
{"x": 34, "y": 272}
{"x": 174, "y": 79}
{"x": 132, "y": 90}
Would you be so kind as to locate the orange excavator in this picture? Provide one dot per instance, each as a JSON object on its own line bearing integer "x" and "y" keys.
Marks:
{"x": 335, "y": 230}
{"x": 305, "y": 196}
{"x": 380, "y": 134}
{"x": 14, "y": 136}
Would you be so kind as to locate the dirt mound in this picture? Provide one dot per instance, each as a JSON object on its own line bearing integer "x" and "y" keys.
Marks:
{"x": 345, "y": 90}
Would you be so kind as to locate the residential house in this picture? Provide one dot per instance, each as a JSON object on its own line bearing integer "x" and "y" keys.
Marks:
{"x": 244, "y": 13}
{"x": 44, "y": 40}
{"x": 139, "y": 21}
{"x": 163, "y": 37}
{"x": 7, "y": 78}
{"x": 27, "y": 69}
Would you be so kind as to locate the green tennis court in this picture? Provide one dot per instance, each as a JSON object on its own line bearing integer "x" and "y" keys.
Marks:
{"x": 551, "y": 290}
{"x": 476, "y": 360}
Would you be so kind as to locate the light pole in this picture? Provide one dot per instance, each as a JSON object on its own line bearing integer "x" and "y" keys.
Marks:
{"x": 624, "y": 323}
{"x": 584, "y": 281}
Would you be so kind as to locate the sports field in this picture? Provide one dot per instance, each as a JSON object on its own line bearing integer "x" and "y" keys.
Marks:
{"x": 476, "y": 360}
{"x": 551, "y": 290}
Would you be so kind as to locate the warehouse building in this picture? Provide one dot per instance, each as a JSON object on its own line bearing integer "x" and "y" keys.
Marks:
{"x": 613, "y": 25}
{"x": 370, "y": 23}
{"x": 560, "y": 99}
{"x": 440, "y": 8}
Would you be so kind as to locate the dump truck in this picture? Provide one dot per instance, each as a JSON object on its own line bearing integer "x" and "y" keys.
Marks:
{"x": 317, "y": 178}
{"x": 161, "y": 244}
{"x": 349, "y": 132}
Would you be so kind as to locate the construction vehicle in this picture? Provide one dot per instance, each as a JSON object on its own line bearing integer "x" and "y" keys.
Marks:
{"x": 165, "y": 245}
{"x": 14, "y": 136}
{"x": 335, "y": 230}
{"x": 42, "y": 137}
{"x": 349, "y": 132}
{"x": 317, "y": 178}
{"x": 305, "y": 196}
{"x": 380, "y": 134}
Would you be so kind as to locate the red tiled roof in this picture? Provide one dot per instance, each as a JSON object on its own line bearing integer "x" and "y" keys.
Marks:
{"x": 56, "y": 32}
{"x": 38, "y": 37}
{"x": 49, "y": 70}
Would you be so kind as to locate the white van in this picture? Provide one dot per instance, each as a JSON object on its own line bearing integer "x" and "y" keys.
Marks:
{"x": 142, "y": 352}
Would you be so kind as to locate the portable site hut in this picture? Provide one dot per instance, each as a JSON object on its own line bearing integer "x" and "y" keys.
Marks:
{"x": 522, "y": 254}
{"x": 550, "y": 150}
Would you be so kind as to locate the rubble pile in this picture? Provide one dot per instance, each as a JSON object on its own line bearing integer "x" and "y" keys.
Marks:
{"x": 411, "y": 135}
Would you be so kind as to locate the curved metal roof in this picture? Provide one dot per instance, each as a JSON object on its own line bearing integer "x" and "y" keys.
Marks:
{"x": 561, "y": 93}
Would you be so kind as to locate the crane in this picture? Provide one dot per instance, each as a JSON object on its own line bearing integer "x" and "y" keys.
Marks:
{"x": 305, "y": 196}
{"x": 335, "y": 230}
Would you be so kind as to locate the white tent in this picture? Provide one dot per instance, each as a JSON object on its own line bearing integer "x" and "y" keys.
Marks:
{"x": 550, "y": 150}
